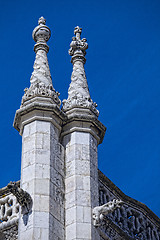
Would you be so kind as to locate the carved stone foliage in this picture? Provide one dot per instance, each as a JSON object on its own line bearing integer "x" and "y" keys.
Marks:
{"x": 40, "y": 90}
{"x": 128, "y": 219}
{"x": 23, "y": 198}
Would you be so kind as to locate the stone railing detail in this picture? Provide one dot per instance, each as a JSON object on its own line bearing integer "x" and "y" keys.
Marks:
{"x": 133, "y": 219}
{"x": 10, "y": 233}
{"x": 9, "y": 211}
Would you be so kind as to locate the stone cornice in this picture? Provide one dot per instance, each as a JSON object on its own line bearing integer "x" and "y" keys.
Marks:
{"x": 130, "y": 201}
{"x": 41, "y": 108}
{"x": 93, "y": 125}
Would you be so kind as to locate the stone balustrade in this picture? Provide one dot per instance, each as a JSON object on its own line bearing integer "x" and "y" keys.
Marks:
{"x": 9, "y": 211}
{"x": 9, "y": 215}
{"x": 133, "y": 219}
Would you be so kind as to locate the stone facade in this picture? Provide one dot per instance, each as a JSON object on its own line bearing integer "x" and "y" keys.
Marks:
{"x": 62, "y": 195}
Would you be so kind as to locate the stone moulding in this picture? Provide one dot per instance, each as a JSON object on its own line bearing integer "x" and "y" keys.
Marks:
{"x": 39, "y": 106}
{"x": 93, "y": 125}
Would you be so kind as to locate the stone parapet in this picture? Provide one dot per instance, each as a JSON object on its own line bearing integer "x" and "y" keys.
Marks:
{"x": 134, "y": 220}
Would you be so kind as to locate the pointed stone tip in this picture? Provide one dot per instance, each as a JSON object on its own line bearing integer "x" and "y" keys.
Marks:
{"x": 42, "y": 20}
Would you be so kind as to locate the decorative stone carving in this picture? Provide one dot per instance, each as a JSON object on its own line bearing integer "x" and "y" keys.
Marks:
{"x": 23, "y": 198}
{"x": 100, "y": 211}
{"x": 78, "y": 46}
{"x": 41, "y": 81}
{"x": 78, "y": 93}
{"x": 41, "y": 90}
{"x": 9, "y": 211}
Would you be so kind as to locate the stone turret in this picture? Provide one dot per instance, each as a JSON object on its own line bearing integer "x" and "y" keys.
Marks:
{"x": 39, "y": 121}
{"x": 81, "y": 134}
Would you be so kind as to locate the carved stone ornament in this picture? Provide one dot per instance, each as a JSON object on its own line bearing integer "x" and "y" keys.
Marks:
{"x": 23, "y": 198}
{"x": 41, "y": 81}
{"x": 78, "y": 93}
{"x": 78, "y": 46}
{"x": 40, "y": 90}
{"x": 100, "y": 211}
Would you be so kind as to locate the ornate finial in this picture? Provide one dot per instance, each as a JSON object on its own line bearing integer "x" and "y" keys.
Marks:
{"x": 78, "y": 46}
{"x": 41, "y": 34}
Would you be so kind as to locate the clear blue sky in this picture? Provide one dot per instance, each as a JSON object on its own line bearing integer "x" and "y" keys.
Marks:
{"x": 123, "y": 73}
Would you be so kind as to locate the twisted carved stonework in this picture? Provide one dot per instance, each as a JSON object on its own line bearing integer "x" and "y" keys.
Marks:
{"x": 41, "y": 81}
{"x": 100, "y": 211}
{"x": 78, "y": 93}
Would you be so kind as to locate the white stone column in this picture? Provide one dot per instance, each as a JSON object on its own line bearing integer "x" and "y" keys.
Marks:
{"x": 42, "y": 176}
{"x": 81, "y": 184}
{"x": 39, "y": 121}
{"x": 82, "y": 132}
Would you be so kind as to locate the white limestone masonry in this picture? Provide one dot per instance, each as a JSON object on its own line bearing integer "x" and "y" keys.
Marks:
{"x": 42, "y": 177}
{"x": 81, "y": 185}
{"x": 39, "y": 121}
{"x": 61, "y": 179}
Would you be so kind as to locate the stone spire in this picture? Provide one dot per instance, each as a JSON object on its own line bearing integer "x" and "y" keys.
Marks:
{"x": 41, "y": 81}
{"x": 78, "y": 93}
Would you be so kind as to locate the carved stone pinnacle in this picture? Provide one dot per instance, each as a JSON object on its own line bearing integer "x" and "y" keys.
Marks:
{"x": 78, "y": 92}
{"x": 41, "y": 81}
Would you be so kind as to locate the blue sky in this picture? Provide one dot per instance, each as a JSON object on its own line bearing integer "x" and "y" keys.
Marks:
{"x": 123, "y": 73}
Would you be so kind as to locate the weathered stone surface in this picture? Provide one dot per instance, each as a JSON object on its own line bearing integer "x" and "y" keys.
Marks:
{"x": 44, "y": 183}
{"x": 80, "y": 198}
